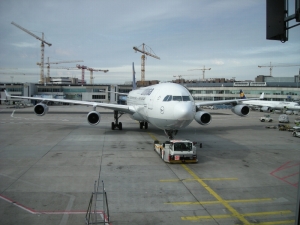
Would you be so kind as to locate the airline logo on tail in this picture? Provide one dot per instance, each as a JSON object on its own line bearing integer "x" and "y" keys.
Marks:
{"x": 242, "y": 95}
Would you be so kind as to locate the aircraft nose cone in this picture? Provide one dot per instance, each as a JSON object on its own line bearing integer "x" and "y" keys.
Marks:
{"x": 183, "y": 111}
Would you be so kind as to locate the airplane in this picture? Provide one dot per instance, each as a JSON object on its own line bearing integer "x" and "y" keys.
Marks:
{"x": 167, "y": 106}
{"x": 269, "y": 106}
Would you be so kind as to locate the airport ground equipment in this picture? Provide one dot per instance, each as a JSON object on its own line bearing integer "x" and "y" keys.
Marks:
{"x": 284, "y": 127}
{"x": 146, "y": 51}
{"x": 98, "y": 211}
{"x": 296, "y": 132}
{"x": 177, "y": 151}
{"x": 43, "y": 42}
{"x": 266, "y": 118}
{"x": 283, "y": 118}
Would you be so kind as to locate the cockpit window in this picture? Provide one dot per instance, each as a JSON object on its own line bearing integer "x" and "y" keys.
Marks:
{"x": 168, "y": 98}
{"x": 147, "y": 91}
{"x": 186, "y": 98}
{"x": 177, "y": 98}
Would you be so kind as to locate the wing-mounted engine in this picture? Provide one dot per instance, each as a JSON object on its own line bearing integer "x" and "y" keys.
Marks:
{"x": 240, "y": 110}
{"x": 202, "y": 117}
{"x": 265, "y": 109}
{"x": 93, "y": 117}
{"x": 40, "y": 109}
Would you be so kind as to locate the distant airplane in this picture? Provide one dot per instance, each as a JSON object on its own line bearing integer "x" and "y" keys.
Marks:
{"x": 269, "y": 106}
{"x": 167, "y": 106}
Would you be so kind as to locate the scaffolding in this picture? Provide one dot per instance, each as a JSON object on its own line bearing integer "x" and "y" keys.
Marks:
{"x": 98, "y": 211}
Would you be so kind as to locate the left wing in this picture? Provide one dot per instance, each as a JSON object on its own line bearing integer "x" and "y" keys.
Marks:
{"x": 121, "y": 108}
{"x": 233, "y": 101}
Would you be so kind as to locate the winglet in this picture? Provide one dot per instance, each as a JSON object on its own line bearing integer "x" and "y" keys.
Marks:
{"x": 262, "y": 96}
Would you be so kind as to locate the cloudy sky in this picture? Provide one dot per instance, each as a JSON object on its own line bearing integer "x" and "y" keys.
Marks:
{"x": 227, "y": 36}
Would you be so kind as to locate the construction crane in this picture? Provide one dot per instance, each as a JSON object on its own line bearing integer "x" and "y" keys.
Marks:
{"x": 91, "y": 73}
{"x": 82, "y": 67}
{"x": 203, "y": 71}
{"x": 278, "y": 65}
{"x": 43, "y": 42}
{"x": 48, "y": 65}
{"x": 144, "y": 52}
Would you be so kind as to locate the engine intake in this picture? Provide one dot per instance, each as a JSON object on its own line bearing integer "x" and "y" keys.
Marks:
{"x": 40, "y": 109}
{"x": 240, "y": 110}
{"x": 93, "y": 117}
{"x": 202, "y": 117}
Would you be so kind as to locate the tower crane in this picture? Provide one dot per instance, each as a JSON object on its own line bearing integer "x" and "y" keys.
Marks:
{"x": 82, "y": 67}
{"x": 91, "y": 73}
{"x": 144, "y": 52}
{"x": 203, "y": 71}
{"x": 48, "y": 64}
{"x": 279, "y": 65}
{"x": 43, "y": 42}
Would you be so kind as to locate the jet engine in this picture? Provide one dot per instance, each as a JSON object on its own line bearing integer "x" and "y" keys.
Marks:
{"x": 240, "y": 110}
{"x": 265, "y": 109}
{"x": 93, "y": 117}
{"x": 40, "y": 109}
{"x": 202, "y": 117}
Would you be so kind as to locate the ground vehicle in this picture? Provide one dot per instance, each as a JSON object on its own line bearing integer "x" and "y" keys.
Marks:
{"x": 296, "y": 132}
{"x": 266, "y": 118}
{"x": 297, "y": 120}
{"x": 177, "y": 151}
{"x": 283, "y": 118}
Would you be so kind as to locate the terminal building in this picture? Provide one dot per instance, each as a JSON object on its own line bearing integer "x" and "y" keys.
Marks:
{"x": 275, "y": 89}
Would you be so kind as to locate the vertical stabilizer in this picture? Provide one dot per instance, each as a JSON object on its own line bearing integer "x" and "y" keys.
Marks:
{"x": 242, "y": 95}
{"x": 133, "y": 77}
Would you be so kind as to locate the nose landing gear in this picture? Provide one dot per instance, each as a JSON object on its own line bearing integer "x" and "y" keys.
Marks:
{"x": 143, "y": 124}
{"x": 116, "y": 124}
{"x": 171, "y": 133}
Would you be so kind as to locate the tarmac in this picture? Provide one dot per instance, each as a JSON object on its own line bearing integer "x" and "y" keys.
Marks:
{"x": 246, "y": 173}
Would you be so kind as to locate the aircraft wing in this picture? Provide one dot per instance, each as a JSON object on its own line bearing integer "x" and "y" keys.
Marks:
{"x": 233, "y": 101}
{"x": 121, "y": 108}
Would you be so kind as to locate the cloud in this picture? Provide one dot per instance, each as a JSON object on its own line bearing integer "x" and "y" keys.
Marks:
{"x": 218, "y": 62}
{"x": 26, "y": 45}
{"x": 63, "y": 52}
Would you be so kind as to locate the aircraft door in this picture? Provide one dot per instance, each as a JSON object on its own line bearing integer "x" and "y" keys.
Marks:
{"x": 154, "y": 95}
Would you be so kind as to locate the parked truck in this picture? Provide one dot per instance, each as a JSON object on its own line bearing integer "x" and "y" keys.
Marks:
{"x": 177, "y": 151}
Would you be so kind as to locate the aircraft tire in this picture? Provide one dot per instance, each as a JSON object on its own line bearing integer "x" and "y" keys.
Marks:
{"x": 141, "y": 125}
{"x": 120, "y": 126}
{"x": 146, "y": 125}
{"x": 112, "y": 125}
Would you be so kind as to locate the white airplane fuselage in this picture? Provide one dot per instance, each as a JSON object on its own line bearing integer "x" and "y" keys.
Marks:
{"x": 166, "y": 106}
{"x": 274, "y": 104}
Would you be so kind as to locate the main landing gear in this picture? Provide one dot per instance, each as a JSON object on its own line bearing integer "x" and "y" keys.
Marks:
{"x": 171, "y": 133}
{"x": 116, "y": 123}
{"x": 143, "y": 124}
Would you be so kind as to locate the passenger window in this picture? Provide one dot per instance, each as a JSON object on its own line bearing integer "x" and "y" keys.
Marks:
{"x": 186, "y": 98}
{"x": 177, "y": 98}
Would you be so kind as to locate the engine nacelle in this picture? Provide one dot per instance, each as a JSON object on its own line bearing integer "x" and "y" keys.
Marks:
{"x": 240, "y": 110}
{"x": 93, "y": 117}
{"x": 40, "y": 109}
{"x": 202, "y": 117}
{"x": 265, "y": 109}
